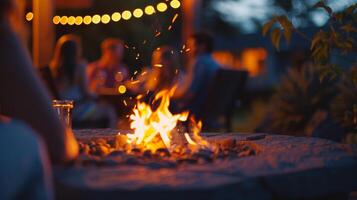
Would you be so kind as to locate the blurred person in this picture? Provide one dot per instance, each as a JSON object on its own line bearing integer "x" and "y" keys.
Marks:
{"x": 109, "y": 71}
{"x": 164, "y": 63}
{"x": 162, "y": 74}
{"x": 200, "y": 72}
{"x": 68, "y": 69}
{"x": 26, "y": 146}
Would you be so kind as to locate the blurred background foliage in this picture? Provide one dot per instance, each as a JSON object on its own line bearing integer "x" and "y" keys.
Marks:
{"x": 300, "y": 99}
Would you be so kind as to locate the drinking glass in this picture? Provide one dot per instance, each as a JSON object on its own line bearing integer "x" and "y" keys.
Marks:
{"x": 64, "y": 110}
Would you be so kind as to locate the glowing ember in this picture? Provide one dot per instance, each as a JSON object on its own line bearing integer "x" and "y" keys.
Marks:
{"x": 156, "y": 129}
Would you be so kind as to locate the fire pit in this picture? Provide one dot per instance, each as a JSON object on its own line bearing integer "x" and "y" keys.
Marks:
{"x": 258, "y": 167}
{"x": 165, "y": 156}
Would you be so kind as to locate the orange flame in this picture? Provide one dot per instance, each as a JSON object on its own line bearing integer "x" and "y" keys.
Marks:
{"x": 155, "y": 129}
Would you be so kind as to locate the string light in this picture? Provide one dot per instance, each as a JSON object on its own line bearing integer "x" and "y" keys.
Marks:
{"x": 162, "y": 7}
{"x": 149, "y": 10}
{"x": 96, "y": 19}
{"x": 64, "y": 20}
{"x": 116, "y": 16}
{"x": 107, "y": 18}
{"x": 126, "y": 15}
{"x": 87, "y": 20}
{"x": 29, "y": 16}
{"x": 71, "y": 20}
{"x": 175, "y": 4}
{"x": 79, "y": 20}
{"x": 138, "y": 13}
{"x": 56, "y": 19}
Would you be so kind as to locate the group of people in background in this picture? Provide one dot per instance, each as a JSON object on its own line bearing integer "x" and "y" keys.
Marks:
{"x": 76, "y": 80}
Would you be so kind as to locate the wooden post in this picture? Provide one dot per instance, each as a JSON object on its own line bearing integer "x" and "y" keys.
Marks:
{"x": 43, "y": 32}
{"x": 191, "y": 17}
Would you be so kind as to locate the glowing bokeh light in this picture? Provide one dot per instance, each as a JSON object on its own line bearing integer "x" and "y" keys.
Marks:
{"x": 122, "y": 89}
{"x": 87, "y": 20}
{"x": 116, "y": 17}
{"x": 138, "y": 13}
{"x": 71, "y": 20}
{"x": 149, "y": 10}
{"x": 96, "y": 19}
{"x": 79, "y": 20}
{"x": 29, "y": 16}
{"x": 162, "y": 7}
{"x": 64, "y": 20}
{"x": 175, "y": 4}
{"x": 105, "y": 19}
{"x": 56, "y": 19}
{"x": 126, "y": 15}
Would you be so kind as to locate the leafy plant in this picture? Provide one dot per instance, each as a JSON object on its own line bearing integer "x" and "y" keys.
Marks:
{"x": 300, "y": 97}
{"x": 339, "y": 35}
{"x": 344, "y": 106}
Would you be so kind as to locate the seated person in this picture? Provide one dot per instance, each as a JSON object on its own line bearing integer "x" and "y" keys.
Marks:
{"x": 23, "y": 163}
{"x": 162, "y": 74}
{"x": 68, "y": 70}
{"x": 109, "y": 71}
{"x": 201, "y": 70}
{"x": 24, "y": 167}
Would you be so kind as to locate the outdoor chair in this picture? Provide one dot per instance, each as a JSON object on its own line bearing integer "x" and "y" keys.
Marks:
{"x": 222, "y": 96}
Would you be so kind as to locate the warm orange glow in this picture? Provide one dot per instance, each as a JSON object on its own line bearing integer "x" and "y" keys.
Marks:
{"x": 138, "y": 13}
{"x": 162, "y": 7}
{"x": 64, "y": 20}
{"x": 71, "y": 20}
{"x": 87, "y": 20}
{"x": 226, "y": 59}
{"x": 96, "y": 19}
{"x": 154, "y": 129}
{"x": 126, "y": 15}
{"x": 56, "y": 19}
{"x": 252, "y": 60}
{"x": 29, "y": 16}
{"x": 116, "y": 17}
{"x": 122, "y": 89}
{"x": 79, "y": 20}
{"x": 105, "y": 19}
{"x": 149, "y": 10}
{"x": 175, "y": 4}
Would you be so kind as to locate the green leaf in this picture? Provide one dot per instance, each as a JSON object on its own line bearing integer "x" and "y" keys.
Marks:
{"x": 321, "y": 4}
{"x": 275, "y": 38}
{"x": 268, "y": 25}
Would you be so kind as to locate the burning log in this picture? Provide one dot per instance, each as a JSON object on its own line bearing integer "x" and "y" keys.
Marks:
{"x": 113, "y": 151}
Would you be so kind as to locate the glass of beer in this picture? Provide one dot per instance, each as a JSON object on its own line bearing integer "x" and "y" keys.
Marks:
{"x": 64, "y": 108}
